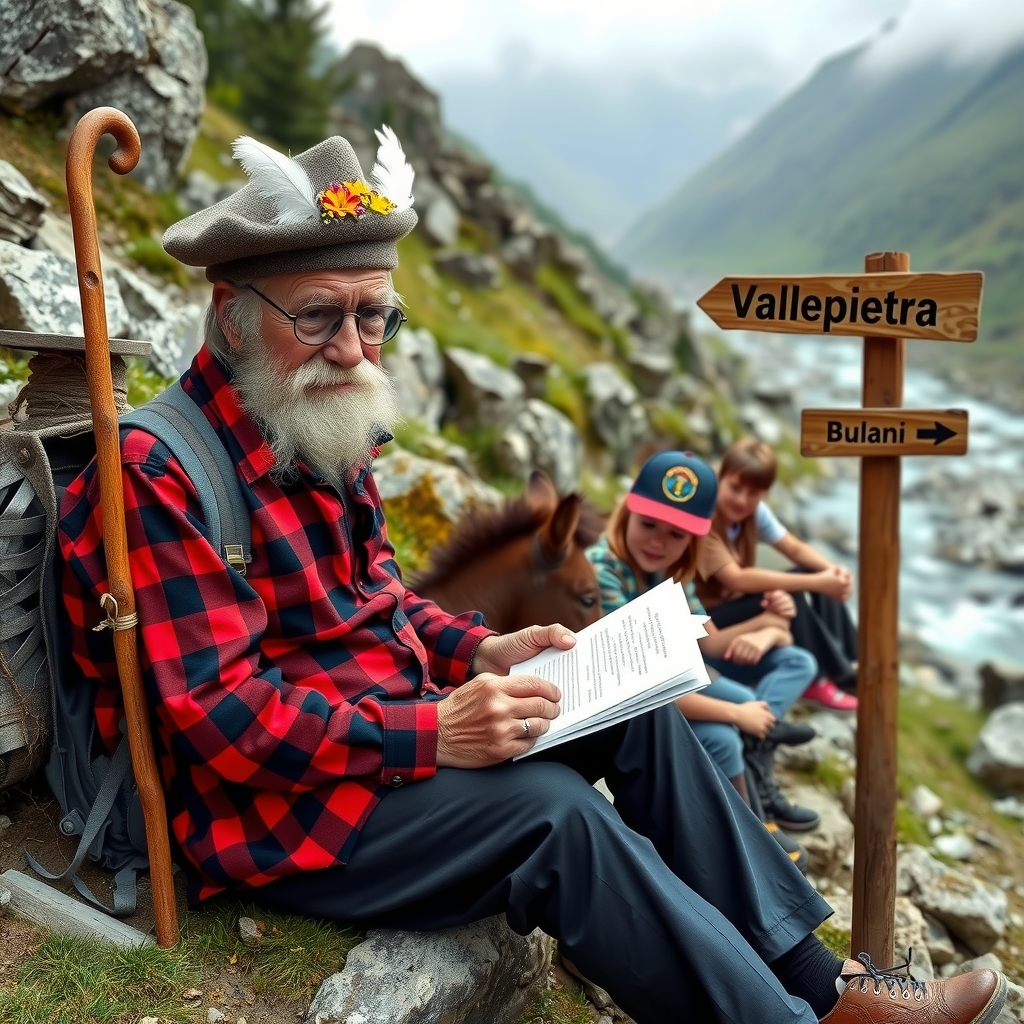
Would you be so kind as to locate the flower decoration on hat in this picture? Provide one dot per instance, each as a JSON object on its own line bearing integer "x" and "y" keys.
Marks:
{"x": 285, "y": 183}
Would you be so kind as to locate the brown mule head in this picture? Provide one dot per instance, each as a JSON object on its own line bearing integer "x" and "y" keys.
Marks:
{"x": 563, "y": 586}
{"x": 523, "y": 565}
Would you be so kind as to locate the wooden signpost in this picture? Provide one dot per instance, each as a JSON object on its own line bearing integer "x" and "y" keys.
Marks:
{"x": 886, "y": 304}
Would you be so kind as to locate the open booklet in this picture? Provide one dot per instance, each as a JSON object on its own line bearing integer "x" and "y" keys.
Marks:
{"x": 635, "y": 659}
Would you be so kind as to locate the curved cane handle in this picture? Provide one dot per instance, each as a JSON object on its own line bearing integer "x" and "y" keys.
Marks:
{"x": 81, "y": 148}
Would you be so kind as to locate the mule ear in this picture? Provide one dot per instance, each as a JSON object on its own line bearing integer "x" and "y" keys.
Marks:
{"x": 557, "y": 533}
{"x": 540, "y": 492}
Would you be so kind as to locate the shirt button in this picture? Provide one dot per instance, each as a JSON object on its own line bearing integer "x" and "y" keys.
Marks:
{"x": 396, "y": 780}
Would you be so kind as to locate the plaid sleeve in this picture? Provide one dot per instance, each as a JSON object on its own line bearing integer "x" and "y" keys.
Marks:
{"x": 450, "y": 640}
{"x": 219, "y": 700}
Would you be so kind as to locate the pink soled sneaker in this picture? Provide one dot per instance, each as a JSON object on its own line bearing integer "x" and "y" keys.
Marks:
{"x": 823, "y": 693}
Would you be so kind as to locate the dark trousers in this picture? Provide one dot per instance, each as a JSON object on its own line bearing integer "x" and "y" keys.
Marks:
{"x": 822, "y": 625}
{"x": 674, "y": 899}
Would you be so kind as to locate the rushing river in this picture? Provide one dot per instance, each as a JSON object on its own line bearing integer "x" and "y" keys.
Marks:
{"x": 971, "y": 612}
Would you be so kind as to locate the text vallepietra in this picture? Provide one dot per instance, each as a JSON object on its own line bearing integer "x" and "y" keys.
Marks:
{"x": 791, "y": 303}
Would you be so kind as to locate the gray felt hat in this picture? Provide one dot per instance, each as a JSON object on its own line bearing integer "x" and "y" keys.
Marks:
{"x": 246, "y": 236}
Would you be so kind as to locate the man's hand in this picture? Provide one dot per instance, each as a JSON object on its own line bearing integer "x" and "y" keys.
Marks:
{"x": 754, "y": 718}
{"x": 481, "y": 723}
{"x": 778, "y": 602}
{"x": 750, "y": 648}
{"x": 498, "y": 654}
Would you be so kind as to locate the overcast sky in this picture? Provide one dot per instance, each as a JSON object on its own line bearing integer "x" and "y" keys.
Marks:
{"x": 544, "y": 85}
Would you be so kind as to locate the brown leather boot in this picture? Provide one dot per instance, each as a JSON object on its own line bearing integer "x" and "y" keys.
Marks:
{"x": 872, "y": 996}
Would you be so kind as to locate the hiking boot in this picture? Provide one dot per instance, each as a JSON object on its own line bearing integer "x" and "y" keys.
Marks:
{"x": 796, "y": 853}
{"x": 824, "y": 694}
{"x": 773, "y": 804}
{"x": 871, "y": 996}
{"x": 789, "y": 734}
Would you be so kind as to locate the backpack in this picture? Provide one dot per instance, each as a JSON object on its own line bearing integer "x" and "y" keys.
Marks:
{"x": 96, "y": 790}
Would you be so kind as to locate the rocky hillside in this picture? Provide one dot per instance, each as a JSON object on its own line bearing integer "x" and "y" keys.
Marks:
{"x": 521, "y": 352}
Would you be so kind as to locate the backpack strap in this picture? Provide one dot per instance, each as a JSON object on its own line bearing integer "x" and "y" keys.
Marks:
{"x": 181, "y": 425}
{"x": 176, "y": 420}
{"x": 124, "y": 896}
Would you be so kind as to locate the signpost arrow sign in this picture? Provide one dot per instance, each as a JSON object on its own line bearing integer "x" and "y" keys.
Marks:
{"x": 883, "y": 432}
{"x": 941, "y": 433}
{"x": 940, "y": 307}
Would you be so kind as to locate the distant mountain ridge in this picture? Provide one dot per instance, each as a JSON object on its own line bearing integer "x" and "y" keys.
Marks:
{"x": 927, "y": 158}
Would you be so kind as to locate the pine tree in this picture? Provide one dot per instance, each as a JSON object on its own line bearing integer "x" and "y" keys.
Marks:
{"x": 281, "y": 93}
{"x": 271, "y": 64}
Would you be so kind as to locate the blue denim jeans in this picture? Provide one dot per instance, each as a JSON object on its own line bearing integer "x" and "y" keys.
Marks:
{"x": 778, "y": 679}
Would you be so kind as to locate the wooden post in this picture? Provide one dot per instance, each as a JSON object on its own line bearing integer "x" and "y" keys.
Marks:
{"x": 874, "y": 866}
{"x": 81, "y": 147}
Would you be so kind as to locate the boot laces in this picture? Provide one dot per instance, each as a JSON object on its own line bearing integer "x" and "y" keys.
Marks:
{"x": 891, "y": 977}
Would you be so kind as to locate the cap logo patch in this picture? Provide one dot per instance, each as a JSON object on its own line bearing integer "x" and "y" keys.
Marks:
{"x": 679, "y": 484}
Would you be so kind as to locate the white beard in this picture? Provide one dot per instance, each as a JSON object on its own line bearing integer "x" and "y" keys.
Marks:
{"x": 330, "y": 431}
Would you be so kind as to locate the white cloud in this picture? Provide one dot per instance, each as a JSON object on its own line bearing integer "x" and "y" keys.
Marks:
{"x": 960, "y": 30}
{"x": 688, "y": 41}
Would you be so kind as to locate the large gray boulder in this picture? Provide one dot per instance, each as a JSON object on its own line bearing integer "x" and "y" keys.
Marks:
{"x": 543, "y": 438}
{"x": 163, "y": 96}
{"x": 54, "y": 48}
{"x": 372, "y": 83}
{"x": 486, "y": 395}
{"x": 483, "y": 973}
{"x": 21, "y": 207}
{"x": 616, "y": 412}
{"x": 172, "y": 330}
{"x": 998, "y": 755}
{"x": 145, "y": 57}
{"x": 39, "y": 293}
{"x": 415, "y": 364}
{"x": 1001, "y": 683}
{"x": 973, "y": 911}
{"x": 829, "y": 844}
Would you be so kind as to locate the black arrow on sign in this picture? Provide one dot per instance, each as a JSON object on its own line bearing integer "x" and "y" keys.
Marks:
{"x": 940, "y": 433}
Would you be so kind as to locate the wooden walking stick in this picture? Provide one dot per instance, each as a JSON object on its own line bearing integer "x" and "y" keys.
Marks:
{"x": 119, "y": 603}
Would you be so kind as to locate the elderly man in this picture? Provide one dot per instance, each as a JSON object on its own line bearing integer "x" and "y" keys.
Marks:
{"x": 333, "y": 745}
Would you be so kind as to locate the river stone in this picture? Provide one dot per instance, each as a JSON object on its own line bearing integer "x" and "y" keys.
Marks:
{"x": 21, "y": 206}
{"x": 483, "y": 973}
{"x": 164, "y": 97}
{"x": 486, "y": 395}
{"x": 616, "y": 412}
{"x": 973, "y": 911}
{"x": 998, "y": 755}
{"x": 57, "y": 47}
{"x": 828, "y": 845}
{"x": 39, "y": 293}
{"x": 553, "y": 444}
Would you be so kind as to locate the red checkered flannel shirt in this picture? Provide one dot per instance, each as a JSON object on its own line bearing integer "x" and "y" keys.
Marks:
{"x": 287, "y": 700}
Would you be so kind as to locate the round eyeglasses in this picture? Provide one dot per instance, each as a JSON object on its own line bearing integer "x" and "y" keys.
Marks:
{"x": 318, "y": 322}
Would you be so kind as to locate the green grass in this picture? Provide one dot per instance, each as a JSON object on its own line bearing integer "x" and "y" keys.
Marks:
{"x": 558, "y": 1006}
{"x": 75, "y": 980}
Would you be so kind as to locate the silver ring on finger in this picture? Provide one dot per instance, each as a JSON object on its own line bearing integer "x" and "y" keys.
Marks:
{"x": 526, "y": 726}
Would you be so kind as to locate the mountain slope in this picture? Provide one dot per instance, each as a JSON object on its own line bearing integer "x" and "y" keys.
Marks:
{"x": 927, "y": 158}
